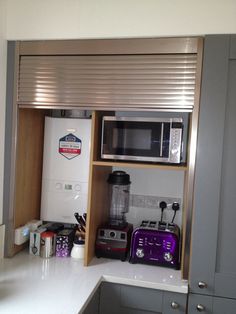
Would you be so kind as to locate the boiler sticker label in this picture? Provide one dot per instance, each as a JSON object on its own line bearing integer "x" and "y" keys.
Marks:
{"x": 70, "y": 146}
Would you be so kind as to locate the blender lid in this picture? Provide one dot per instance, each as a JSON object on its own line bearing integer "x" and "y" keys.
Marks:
{"x": 119, "y": 178}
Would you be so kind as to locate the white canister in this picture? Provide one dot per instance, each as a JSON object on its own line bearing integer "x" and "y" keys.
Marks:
{"x": 78, "y": 249}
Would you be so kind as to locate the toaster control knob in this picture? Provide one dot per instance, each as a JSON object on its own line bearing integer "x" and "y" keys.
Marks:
{"x": 112, "y": 234}
{"x": 168, "y": 257}
{"x": 139, "y": 253}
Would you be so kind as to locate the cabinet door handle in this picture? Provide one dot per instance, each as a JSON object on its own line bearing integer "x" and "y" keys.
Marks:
{"x": 174, "y": 305}
{"x": 200, "y": 308}
{"x": 202, "y": 285}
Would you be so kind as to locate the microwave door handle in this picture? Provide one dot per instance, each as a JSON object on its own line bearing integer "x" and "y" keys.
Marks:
{"x": 162, "y": 134}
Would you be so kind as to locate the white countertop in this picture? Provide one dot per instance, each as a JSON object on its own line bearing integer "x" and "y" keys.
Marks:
{"x": 30, "y": 284}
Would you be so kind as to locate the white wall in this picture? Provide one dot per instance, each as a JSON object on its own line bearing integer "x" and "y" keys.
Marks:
{"x": 31, "y": 19}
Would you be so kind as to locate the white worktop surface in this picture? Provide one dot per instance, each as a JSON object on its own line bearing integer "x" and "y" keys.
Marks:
{"x": 30, "y": 284}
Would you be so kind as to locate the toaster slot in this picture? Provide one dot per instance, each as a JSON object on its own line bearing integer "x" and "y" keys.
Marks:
{"x": 152, "y": 224}
{"x": 144, "y": 223}
{"x": 162, "y": 225}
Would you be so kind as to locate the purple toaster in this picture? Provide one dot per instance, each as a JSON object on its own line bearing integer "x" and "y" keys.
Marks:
{"x": 156, "y": 244}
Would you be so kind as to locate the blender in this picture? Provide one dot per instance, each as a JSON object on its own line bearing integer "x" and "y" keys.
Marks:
{"x": 119, "y": 185}
{"x": 113, "y": 238}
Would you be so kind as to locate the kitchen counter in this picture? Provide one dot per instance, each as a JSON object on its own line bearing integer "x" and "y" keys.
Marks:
{"x": 30, "y": 284}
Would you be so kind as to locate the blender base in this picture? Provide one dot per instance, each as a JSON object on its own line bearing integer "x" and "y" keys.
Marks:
{"x": 113, "y": 241}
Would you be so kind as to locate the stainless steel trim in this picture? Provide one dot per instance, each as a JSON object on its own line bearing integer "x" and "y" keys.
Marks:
{"x": 137, "y": 158}
{"x": 161, "y": 144}
{"x": 141, "y": 119}
{"x": 100, "y": 107}
{"x": 110, "y": 46}
{"x": 189, "y": 175}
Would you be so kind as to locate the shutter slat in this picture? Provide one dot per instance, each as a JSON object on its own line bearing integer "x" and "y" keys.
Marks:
{"x": 133, "y": 80}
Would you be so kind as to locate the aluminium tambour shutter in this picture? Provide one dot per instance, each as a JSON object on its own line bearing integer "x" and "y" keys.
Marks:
{"x": 109, "y": 81}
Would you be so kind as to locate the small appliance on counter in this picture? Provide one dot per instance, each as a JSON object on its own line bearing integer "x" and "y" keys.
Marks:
{"x": 41, "y": 237}
{"x": 77, "y": 251}
{"x": 113, "y": 242}
{"x": 156, "y": 244}
{"x": 64, "y": 242}
{"x": 35, "y": 238}
{"x": 47, "y": 244}
{"x": 113, "y": 238}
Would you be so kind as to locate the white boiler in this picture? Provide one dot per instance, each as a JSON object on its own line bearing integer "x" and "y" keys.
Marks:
{"x": 65, "y": 168}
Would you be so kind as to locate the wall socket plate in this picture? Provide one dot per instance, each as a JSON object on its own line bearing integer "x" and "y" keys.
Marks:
{"x": 152, "y": 202}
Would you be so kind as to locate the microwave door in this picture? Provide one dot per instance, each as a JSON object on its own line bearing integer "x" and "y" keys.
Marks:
{"x": 143, "y": 140}
{"x": 136, "y": 140}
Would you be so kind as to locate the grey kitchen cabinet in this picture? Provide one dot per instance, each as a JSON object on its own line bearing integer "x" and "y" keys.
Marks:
{"x": 223, "y": 305}
{"x": 116, "y": 299}
{"x": 93, "y": 305}
{"x": 213, "y": 258}
{"x": 200, "y": 303}
{"x": 210, "y": 305}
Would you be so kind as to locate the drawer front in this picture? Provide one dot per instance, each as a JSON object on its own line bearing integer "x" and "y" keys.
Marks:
{"x": 224, "y": 306}
{"x": 174, "y": 303}
{"x": 200, "y": 304}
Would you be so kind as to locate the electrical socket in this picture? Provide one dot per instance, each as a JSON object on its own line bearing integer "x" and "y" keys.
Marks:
{"x": 152, "y": 202}
{"x": 137, "y": 201}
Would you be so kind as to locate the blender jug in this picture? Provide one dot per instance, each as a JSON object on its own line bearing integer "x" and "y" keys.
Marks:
{"x": 119, "y": 186}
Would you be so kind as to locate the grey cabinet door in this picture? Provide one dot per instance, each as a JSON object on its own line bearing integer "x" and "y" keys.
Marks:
{"x": 223, "y": 305}
{"x": 93, "y": 305}
{"x": 117, "y": 299}
{"x": 213, "y": 256}
{"x": 174, "y": 303}
{"x": 210, "y": 305}
{"x": 137, "y": 299}
{"x": 200, "y": 304}
{"x": 109, "y": 298}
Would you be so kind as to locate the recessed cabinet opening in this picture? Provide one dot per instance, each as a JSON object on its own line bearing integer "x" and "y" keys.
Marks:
{"x": 151, "y": 183}
{"x": 148, "y": 91}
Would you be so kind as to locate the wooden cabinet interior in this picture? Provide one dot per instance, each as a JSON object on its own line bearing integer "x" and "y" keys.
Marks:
{"x": 29, "y": 157}
{"x": 98, "y": 208}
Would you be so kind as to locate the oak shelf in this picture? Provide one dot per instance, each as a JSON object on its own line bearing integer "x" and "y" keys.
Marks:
{"x": 139, "y": 165}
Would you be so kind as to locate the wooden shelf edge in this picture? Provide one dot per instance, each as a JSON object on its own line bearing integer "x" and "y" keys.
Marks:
{"x": 138, "y": 165}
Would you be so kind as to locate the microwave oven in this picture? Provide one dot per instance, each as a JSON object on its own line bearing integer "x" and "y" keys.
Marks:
{"x": 142, "y": 139}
